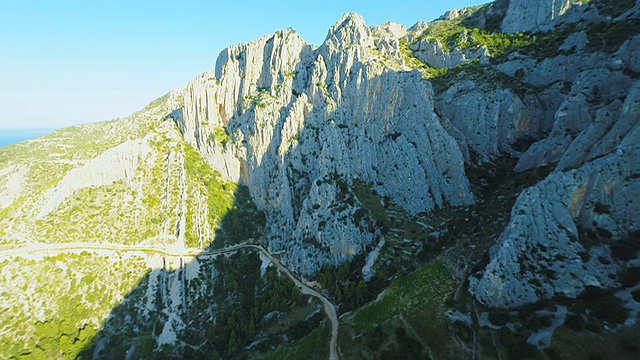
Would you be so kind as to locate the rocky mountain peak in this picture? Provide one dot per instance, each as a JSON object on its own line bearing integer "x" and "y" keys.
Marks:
{"x": 485, "y": 164}
{"x": 349, "y": 30}
{"x": 303, "y": 123}
{"x": 347, "y": 39}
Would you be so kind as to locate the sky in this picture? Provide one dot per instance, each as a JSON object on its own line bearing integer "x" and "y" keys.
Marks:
{"x": 68, "y": 62}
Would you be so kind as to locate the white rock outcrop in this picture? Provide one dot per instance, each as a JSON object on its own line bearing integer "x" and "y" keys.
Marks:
{"x": 541, "y": 254}
{"x": 488, "y": 121}
{"x": 527, "y": 15}
{"x": 305, "y": 122}
{"x": 11, "y": 180}
{"x": 580, "y": 108}
{"x": 302, "y": 123}
{"x": 117, "y": 163}
{"x": 629, "y": 52}
{"x": 433, "y": 54}
{"x": 612, "y": 123}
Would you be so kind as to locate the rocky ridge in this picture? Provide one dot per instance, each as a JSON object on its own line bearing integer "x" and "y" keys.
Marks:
{"x": 306, "y": 122}
{"x": 382, "y": 144}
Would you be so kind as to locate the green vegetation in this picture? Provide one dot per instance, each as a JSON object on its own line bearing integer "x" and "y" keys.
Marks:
{"x": 408, "y": 315}
{"x": 460, "y": 33}
{"x": 609, "y": 36}
{"x": 260, "y": 99}
{"x": 242, "y": 222}
{"x": 207, "y": 184}
{"x": 413, "y": 62}
{"x": 220, "y": 137}
{"x": 72, "y": 293}
{"x": 425, "y": 287}
{"x": 613, "y": 9}
{"x": 496, "y": 187}
{"x": 248, "y": 298}
{"x": 371, "y": 201}
{"x": 404, "y": 317}
{"x": 49, "y": 158}
{"x": 314, "y": 346}
{"x": 345, "y": 286}
{"x": 625, "y": 248}
{"x": 101, "y": 215}
{"x": 227, "y": 204}
{"x": 603, "y": 36}
{"x": 486, "y": 77}
{"x": 118, "y": 213}
{"x": 64, "y": 301}
{"x": 452, "y": 33}
{"x": 408, "y": 245}
{"x": 228, "y": 306}
{"x": 57, "y": 153}
{"x": 159, "y": 101}
{"x": 67, "y": 302}
{"x": 463, "y": 34}
{"x": 290, "y": 74}
{"x": 499, "y": 44}
{"x": 325, "y": 89}
{"x": 597, "y": 344}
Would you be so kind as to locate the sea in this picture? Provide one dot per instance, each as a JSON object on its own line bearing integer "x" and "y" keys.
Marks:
{"x": 14, "y": 136}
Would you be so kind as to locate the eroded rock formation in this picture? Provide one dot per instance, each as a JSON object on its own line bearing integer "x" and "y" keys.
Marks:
{"x": 304, "y": 122}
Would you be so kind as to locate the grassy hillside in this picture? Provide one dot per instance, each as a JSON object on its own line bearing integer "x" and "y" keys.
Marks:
{"x": 55, "y": 302}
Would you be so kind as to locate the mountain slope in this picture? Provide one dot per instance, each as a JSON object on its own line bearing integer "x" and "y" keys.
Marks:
{"x": 94, "y": 210}
{"x": 306, "y": 122}
{"x": 462, "y": 188}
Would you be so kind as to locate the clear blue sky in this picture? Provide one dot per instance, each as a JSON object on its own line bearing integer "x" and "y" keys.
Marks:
{"x": 69, "y": 62}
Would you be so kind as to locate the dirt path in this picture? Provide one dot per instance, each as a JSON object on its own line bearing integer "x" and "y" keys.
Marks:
{"x": 329, "y": 308}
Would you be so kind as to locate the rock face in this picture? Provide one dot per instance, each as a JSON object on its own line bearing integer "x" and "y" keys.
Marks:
{"x": 523, "y": 15}
{"x": 305, "y": 122}
{"x": 629, "y": 54}
{"x": 10, "y": 180}
{"x": 487, "y": 122}
{"x": 117, "y": 163}
{"x": 563, "y": 230}
{"x": 303, "y": 125}
{"x": 576, "y": 113}
{"x": 350, "y": 148}
{"x": 543, "y": 251}
{"x": 298, "y": 124}
{"x": 432, "y": 54}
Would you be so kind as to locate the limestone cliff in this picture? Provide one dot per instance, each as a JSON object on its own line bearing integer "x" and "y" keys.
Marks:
{"x": 299, "y": 123}
{"x": 493, "y": 152}
{"x": 525, "y": 15}
{"x": 303, "y": 122}
{"x": 566, "y": 232}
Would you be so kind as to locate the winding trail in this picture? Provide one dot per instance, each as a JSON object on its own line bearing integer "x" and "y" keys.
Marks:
{"x": 61, "y": 248}
{"x": 329, "y": 308}
{"x": 51, "y": 249}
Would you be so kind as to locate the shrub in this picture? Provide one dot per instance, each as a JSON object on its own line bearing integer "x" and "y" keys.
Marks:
{"x": 626, "y": 248}
{"x": 499, "y": 317}
{"x": 629, "y": 276}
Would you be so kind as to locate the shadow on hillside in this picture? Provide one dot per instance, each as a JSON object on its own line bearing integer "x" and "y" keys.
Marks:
{"x": 212, "y": 304}
{"x": 204, "y": 306}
